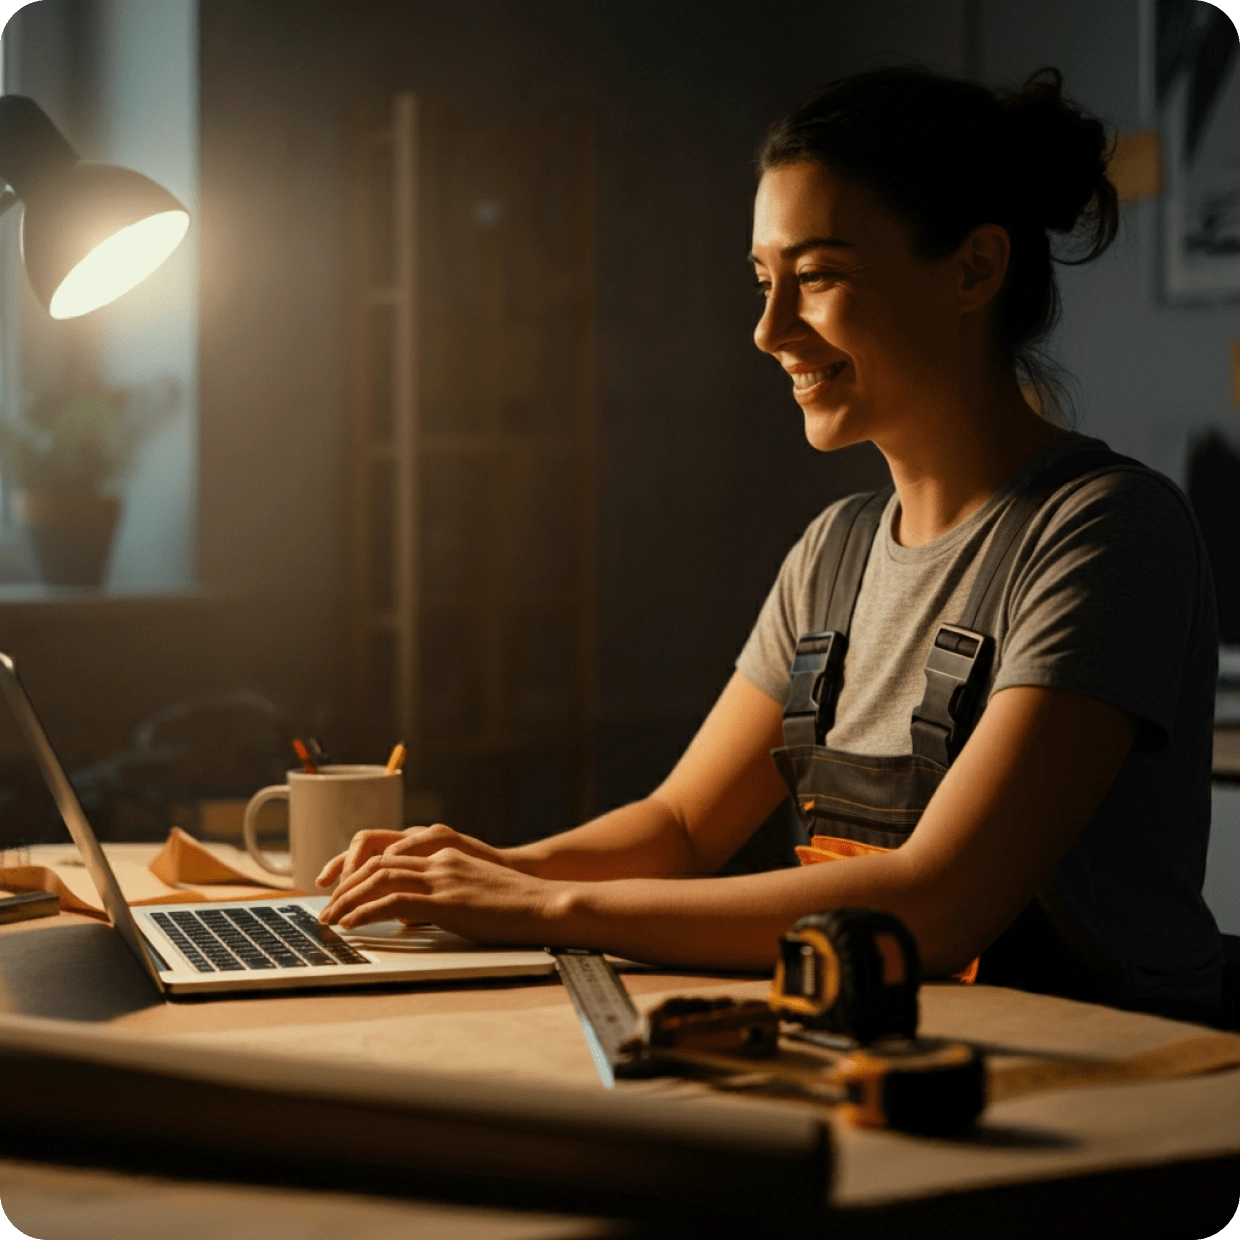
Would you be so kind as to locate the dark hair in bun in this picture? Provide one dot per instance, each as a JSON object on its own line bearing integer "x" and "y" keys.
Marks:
{"x": 947, "y": 156}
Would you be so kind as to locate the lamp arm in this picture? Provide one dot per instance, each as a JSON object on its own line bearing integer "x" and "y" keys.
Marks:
{"x": 32, "y": 149}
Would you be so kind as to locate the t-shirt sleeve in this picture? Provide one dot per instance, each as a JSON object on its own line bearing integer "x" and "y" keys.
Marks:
{"x": 1106, "y": 599}
{"x": 766, "y": 658}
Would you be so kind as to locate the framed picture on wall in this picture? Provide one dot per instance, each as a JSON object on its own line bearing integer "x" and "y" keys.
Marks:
{"x": 1192, "y": 78}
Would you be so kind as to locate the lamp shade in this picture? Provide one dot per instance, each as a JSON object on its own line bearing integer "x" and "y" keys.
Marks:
{"x": 90, "y": 232}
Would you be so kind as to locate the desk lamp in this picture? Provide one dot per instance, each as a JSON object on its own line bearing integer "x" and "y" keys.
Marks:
{"x": 90, "y": 232}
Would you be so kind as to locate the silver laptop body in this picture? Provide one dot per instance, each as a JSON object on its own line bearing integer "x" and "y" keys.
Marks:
{"x": 221, "y": 947}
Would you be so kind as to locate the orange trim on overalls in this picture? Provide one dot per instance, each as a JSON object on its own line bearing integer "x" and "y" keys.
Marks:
{"x": 823, "y": 848}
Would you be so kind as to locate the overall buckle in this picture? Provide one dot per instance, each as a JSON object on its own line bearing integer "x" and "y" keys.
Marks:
{"x": 811, "y": 696}
{"x": 956, "y": 669}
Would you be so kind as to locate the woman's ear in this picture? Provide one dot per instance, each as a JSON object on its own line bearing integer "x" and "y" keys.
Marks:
{"x": 982, "y": 263}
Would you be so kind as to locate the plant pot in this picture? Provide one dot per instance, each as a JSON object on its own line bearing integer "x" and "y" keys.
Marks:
{"x": 71, "y": 532}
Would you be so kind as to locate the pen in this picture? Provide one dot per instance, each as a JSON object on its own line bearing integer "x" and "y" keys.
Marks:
{"x": 396, "y": 759}
{"x": 303, "y": 756}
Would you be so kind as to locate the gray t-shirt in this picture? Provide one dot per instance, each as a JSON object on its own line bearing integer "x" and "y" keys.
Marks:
{"x": 1110, "y": 595}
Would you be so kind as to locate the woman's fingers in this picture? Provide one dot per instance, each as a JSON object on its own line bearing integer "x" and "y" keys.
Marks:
{"x": 412, "y": 842}
{"x": 327, "y": 875}
{"x": 425, "y": 841}
{"x": 395, "y": 905}
{"x": 364, "y": 845}
{"x": 378, "y": 876}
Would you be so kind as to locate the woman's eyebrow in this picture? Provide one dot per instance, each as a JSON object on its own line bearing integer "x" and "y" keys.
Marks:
{"x": 810, "y": 243}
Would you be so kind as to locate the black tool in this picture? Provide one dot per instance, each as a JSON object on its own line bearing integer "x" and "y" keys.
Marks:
{"x": 852, "y": 972}
{"x": 927, "y": 1086}
{"x": 850, "y": 979}
{"x": 29, "y": 904}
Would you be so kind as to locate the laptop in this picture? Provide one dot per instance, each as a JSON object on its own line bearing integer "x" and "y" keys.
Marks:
{"x": 223, "y": 947}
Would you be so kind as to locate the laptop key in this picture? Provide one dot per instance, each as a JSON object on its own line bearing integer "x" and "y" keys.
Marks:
{"x": 324, "y": 936}
{"x": 250, "y": 956}
{"x": 221, "y": 943}
{"x": 281, "y": 953}
{"x": 293, "y": 937}
{"x": 182, "y": 944}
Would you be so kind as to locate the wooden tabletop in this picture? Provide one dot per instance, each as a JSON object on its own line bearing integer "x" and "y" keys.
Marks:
{"x": 1121, "y": 1149}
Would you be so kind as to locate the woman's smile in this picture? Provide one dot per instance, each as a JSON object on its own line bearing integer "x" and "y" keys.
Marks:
{"x": 807, "y": 385}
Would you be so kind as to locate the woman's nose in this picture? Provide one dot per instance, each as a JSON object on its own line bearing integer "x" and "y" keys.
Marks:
{"x": 779, "y": 321}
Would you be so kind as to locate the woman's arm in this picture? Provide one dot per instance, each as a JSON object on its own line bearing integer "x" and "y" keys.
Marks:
{"x": 1032, "y": 775}
{"x": 719, "y": 793}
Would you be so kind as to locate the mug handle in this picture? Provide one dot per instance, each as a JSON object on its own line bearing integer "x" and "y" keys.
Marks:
{"x": 249, "y": 823}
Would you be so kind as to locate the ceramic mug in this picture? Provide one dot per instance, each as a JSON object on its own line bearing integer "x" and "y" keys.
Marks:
{"x": 325, "y": 811}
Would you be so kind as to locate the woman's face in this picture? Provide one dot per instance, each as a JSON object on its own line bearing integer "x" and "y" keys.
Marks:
{"x": 869, "y": 332}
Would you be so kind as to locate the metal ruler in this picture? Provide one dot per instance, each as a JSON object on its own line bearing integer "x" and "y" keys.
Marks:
{"x": 608, "y": 1017}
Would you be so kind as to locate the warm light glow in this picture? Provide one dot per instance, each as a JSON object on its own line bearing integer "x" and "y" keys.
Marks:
{"x": 114, "y": 266}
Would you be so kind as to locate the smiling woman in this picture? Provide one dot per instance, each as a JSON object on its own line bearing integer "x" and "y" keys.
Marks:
{"x": 989, "y": 688}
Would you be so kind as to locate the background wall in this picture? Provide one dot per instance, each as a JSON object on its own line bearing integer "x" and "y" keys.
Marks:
{"x": 1150, "y": 378}
{"x": 705, "y": 476}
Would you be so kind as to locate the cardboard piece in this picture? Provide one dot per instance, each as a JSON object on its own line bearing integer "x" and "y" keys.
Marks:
{"x": 182, "y": 871}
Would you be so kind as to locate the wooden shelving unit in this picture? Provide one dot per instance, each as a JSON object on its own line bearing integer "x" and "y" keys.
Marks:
{"x": 474, "y": 473}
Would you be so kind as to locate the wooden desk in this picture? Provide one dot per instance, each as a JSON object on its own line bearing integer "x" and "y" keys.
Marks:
{"x": 1142, "y": 1156}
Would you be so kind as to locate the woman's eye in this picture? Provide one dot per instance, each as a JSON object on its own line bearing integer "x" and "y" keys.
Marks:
{"x": 816, "y": 277}
{"x": 763, "y": 287}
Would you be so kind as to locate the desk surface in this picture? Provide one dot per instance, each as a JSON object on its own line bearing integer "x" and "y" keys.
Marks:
{"x": 74, "y": 970}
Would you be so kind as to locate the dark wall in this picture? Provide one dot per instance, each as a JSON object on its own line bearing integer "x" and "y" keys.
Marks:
{"x": 705, "y": 475}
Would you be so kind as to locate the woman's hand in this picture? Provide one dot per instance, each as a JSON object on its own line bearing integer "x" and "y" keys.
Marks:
{"x": 412, "y": 842}
{"x": 468, "y": 895}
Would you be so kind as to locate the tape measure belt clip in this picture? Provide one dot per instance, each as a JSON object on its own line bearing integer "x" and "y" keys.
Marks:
{"x": 850, "y": 971}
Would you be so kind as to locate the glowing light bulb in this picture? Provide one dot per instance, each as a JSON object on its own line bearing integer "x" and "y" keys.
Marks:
{"x": 114, "y": 266}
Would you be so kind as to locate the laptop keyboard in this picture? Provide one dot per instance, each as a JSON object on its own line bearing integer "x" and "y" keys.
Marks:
{"x": 261, "y": 937}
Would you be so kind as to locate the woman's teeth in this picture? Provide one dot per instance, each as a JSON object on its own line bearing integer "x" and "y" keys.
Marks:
{"x": 809, "y": 379}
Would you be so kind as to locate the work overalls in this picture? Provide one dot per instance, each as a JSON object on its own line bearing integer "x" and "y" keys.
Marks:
{"x": 862, "y": 801}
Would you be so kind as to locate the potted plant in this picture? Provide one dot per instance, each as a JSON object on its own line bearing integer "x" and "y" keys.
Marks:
{"x": 64, "y": 462}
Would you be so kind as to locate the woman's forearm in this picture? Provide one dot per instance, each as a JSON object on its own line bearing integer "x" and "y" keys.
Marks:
{"x": 735, "y": 922}
{"x": 643, "y": 838}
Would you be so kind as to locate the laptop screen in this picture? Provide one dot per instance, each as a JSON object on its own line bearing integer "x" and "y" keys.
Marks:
{"x": 75, "y": 817}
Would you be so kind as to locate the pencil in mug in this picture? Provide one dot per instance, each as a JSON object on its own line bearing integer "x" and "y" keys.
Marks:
{"x": 303, "y": 756}
{"x": 396, "y": 759}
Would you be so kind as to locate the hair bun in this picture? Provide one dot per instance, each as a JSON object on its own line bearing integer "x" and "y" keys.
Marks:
{"x": 1059, "y": 157}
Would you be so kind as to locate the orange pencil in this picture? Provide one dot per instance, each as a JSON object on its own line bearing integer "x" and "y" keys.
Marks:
{"x": 396, "y": 759}
{"x": 303, "y": 756}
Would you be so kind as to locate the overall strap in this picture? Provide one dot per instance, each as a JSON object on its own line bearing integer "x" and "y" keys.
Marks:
{"x": 819, "y": 656}
{"x": 960, "y": 659}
